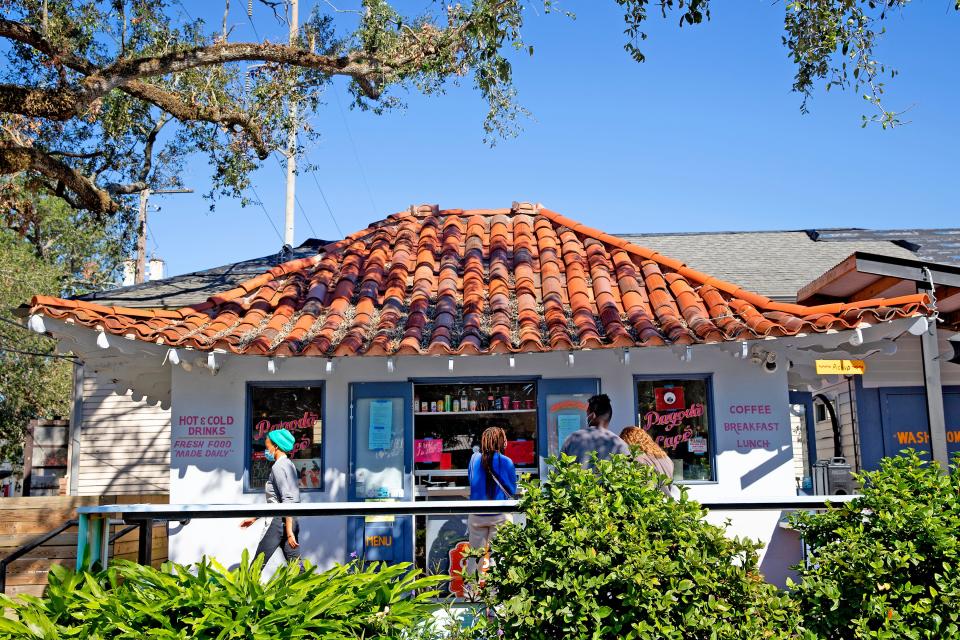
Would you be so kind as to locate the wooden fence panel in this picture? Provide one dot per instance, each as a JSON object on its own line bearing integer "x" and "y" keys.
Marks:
{"x": 23, "y": 519}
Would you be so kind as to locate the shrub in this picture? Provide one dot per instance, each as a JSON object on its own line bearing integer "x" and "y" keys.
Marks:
{"x": 207, "y": 601}
{"x": 606, "y": 554}
{"x": 886, "y": 565}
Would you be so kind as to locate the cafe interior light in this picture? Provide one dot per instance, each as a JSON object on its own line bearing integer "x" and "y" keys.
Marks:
{"x": 102, "y": 341}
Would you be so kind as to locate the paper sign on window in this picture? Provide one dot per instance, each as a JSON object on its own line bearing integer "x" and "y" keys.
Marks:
{"x": 380, "y": 437}
{"x": 427, "y": 450}
{"x": 567, "y": 423}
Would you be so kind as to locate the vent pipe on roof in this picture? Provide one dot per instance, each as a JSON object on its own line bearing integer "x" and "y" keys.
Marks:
{"x": 156, "y": 268}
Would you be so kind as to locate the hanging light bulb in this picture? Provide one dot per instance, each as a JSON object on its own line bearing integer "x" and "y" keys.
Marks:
{"x": 391, "y": 365}
{"x": 919, "y": 327}
{"x": 35, "y": 323}
{"x": 856, "y": 338}
{"x": 102, "y": 340}
{"x": 271, "y": 366}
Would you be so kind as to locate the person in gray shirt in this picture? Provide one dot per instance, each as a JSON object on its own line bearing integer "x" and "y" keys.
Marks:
{"x": 282, "y": 486}
{"x": 596, "y": 437}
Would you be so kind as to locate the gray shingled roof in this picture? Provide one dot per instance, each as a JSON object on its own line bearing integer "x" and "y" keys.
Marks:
{"x": 778, "y": 263}
{"x": 931, "y": 245}
{"x": 193, "y": 288}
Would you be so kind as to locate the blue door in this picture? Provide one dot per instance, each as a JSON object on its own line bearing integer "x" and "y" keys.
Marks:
{"x": 904, "y": 418}
{"x": 381, "y": 465}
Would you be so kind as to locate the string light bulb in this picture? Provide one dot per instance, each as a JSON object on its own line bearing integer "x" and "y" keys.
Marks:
{"x": 35, "y": 323}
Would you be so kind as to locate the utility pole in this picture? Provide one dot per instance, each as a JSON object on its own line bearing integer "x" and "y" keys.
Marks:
{"x": 141, "y": 268}
{"x": 291, "y": 141}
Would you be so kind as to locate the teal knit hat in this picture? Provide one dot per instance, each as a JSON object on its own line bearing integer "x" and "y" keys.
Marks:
{"x": 283, "y": 439}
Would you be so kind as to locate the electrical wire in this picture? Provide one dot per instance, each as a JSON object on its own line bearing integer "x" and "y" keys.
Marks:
{"x": 37, "y": 354}
{"x": 295, "y": 197}
{"x": 266, "y": 213}
{"x": 356, "y": 154}
{"x": 329, "y": 209}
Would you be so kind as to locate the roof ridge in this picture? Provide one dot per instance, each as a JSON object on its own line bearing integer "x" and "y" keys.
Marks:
{"x": 755, "y": 299}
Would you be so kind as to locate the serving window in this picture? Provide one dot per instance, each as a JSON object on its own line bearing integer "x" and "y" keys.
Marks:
{"x": 297, "y": 408}
{"x": 676, "y": 412}
{"x": 449, "y": 420}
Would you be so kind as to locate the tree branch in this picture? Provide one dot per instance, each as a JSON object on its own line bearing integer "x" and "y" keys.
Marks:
{"x": 16, "y": 159}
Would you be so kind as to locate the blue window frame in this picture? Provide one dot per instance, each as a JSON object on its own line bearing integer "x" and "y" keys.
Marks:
{"x": 677, "y": 412}
{"x": 294, "y": 405}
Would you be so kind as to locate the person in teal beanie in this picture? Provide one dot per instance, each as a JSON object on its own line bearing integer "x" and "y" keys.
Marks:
{"x": 282, "y": 487}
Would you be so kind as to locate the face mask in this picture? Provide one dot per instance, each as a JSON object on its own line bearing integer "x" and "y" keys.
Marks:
{"x": 269, "y": 455}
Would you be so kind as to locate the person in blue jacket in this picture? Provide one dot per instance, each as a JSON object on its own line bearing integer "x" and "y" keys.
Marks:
{"x": 493, "y": 476}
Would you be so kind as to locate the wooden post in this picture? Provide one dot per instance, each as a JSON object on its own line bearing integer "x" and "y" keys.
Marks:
{"x": 934, "y": 391}
{"x": 145, "y": 543}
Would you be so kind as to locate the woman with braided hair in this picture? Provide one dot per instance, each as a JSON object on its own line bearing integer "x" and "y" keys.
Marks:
{"x": 493, "y": 476}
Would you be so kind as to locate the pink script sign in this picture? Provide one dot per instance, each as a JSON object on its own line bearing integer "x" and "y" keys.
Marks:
{"x": 427, "y": 450}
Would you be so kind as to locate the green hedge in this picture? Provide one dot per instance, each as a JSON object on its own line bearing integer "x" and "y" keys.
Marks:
{"x": 602, "y": 555}
{"x": 886, "y": 565}
{"x": 208, "y": 601}
{"x": 608, "y": 555}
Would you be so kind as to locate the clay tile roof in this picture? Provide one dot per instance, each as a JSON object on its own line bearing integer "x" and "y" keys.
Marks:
{"x": 432, "y": 281}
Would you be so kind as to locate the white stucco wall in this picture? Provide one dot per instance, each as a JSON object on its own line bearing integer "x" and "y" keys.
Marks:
{"x": 742, "y": 468}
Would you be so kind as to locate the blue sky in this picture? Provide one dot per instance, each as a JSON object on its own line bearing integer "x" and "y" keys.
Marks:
{"x": 704, "y": 136}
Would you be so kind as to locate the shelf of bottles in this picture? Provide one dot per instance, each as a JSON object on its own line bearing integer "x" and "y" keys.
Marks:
{"x": 451, "y": 418}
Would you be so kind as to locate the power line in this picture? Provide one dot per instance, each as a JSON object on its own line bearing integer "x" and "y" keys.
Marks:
{"x": 356, "y": 153}
{"x": 302, "y": 210}
{"x": 266, "y": 213}
{"x": 306, "y": 217}
{"x": 329, "y": 210}
{"x": 38, "y": 355}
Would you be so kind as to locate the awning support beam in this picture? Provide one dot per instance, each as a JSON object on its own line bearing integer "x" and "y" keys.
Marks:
{"x": 930, "y": 351}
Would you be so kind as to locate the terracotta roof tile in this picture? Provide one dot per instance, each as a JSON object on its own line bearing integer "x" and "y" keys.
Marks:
{"x": 451, "y": 281}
